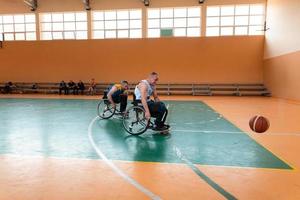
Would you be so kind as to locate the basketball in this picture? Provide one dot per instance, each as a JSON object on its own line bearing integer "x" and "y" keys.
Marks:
{"x": 259, "y": 124}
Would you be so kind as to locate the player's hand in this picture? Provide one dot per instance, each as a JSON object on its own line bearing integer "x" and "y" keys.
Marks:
{"x": 148, "y": 115}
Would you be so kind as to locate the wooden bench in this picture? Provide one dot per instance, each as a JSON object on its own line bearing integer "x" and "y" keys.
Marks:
{"x": 163, "y": 89}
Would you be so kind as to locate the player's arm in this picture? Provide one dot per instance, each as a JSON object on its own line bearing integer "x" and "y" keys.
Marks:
{"x": 143, "y": 89}
{"x": 155, "y": 95}
{"x": 109, "y": 95}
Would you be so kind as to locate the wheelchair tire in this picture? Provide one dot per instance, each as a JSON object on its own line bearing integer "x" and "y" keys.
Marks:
{"x": 134, "y": 121}
{"x": 105, "y": 110}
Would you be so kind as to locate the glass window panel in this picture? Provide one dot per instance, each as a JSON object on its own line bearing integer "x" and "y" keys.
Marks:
{"x": 212, "y": 21}
{"x": 31, "y": 36}
{"x": 212, "y": 31}
{"x": 180, "y": 12}
{"x": 46, "y": 26}
{"x": 19, "y": 19}
{"x": 256, "y": 9}
{"x": 166, "y": 13}
{"x": 46, "y": 18}
{"x": 123, "y": 24}
{"x": 9, "y": 36}
{"x": 81, "y": 26}
{"x": 30, "y": 27}
{"x": 110, "y": 15}
{"x": 110, "y": 25}
{"x": 166, "y": 23}
{"x": 135, "y": 24}
{"x": 256, "y": 30}
{"x": 227, "y": 10}
{"x": 226, "y": 31}
{"x": 8, "y": 28}
{"x": 193, "y": 12}
{"x": 98, "y": 25}
{"x": 213, "y": 11}
{"x": 69, "y": 35}
{"x": 20, "y": 28}
{"x": 8, "y": 19}
{"x": 193, "y": 32}
{"x": 98, "y": 16}
{"x": 227, "y": 21}
{"x": 136, "y": 33}
{"x": 110, "y": 34}
{"x": 153, "y": 13}
{"x": 153, "y": 23}
{"x": 256, "y": 20}
{"x": 241, "y": 30}
{"x": 57, "y": 35}
{"x": 242, "y": 10}
{"x": 19, "y": 36}
{"x": 58, "y": 26}
{"x": 57, "y": 17}
{"x": 180, "y": 32}
{"x": 30, "y": 18}
{"x": 123, "y": 34}
{"x": 180, "y": 22}
{"x": 69, "y": 17}
{"x": 123, "y": 14}
{"x": 241, "y": 20}
{"x": 135, "y": 14}
{"x": 81, "y": 16}
{"x": 154, "y": 33}
{"x": 46, "y": 36}
{"x": 98, "y": 35}
{"x": 69, "y": 26}
{"x": 194, "y": 22}
{"x": 81, "y": 35}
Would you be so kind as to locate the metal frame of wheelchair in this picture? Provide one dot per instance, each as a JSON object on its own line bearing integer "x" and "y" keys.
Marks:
{"x": 133, "y": 120}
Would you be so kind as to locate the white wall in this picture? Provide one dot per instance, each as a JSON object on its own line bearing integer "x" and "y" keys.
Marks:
{"x": 283, "y": 19}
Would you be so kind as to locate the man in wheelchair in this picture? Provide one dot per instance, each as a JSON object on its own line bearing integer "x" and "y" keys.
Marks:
{"x": 118, "y": 93}
{"x": 153, "y": 108}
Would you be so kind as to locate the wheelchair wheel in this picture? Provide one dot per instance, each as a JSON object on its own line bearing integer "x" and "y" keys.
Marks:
{"x": 105, "y": 109}
{"x": 134, "y": 121}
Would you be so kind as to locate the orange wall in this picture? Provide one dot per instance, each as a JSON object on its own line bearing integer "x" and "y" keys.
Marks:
{"x": 180, "y": 60}
{"x": 282, "y": 49}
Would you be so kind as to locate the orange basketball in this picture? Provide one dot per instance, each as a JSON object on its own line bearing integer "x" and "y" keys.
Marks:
{"x": 259, "y": 124}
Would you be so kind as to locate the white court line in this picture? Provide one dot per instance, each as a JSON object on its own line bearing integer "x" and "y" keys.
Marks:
{"x": 232, "y": 132}
{"x": 116, "y": 169}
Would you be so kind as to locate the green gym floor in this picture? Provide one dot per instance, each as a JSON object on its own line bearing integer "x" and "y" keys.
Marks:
{"x": 65, "y": 137}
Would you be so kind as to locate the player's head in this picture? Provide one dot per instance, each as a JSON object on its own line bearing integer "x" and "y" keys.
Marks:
{"x": 153, "y": 78}
{"x": 125, "y": 84}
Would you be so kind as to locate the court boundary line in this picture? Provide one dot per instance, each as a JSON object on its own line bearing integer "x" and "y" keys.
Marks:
{"x": 117, "y": 170}
{"x": 249, "y": 135}
{"x": 202, "y": 175}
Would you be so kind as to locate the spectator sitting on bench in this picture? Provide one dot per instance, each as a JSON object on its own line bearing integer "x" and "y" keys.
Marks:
{"x": 81, "y": 87}
{"x": 63, "y": 87}
{"x": 72, "y": 86}
{"x": 34, "y": 87}
{"x": 92, "y": 87}
{"x": 8, "y": 87}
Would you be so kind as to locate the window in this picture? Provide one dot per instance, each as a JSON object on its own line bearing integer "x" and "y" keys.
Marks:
{"x": 18, "y": 27}
{"x": 177, "y": 22}
{"x": 235, "y": 20}
{"x": 68, "y": 25}
{"x": 117, "y": 24}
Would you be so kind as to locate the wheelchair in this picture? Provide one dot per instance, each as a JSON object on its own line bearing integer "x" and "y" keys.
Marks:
{"x": 133, "y": 120}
